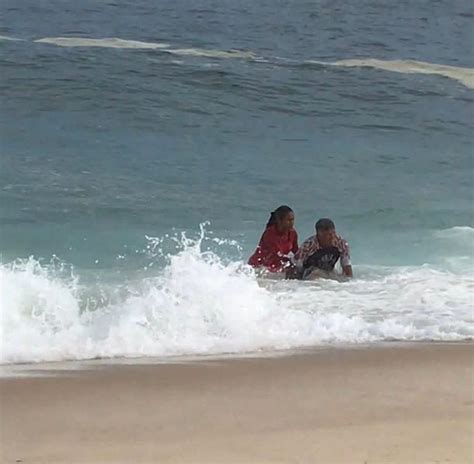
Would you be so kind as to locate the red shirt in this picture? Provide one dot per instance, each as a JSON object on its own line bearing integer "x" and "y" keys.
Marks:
{"x": 273, "y": 249}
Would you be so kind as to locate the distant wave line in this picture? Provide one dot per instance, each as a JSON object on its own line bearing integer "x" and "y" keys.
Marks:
{"x": 11, "y": 39}
{"x": 114, "y": 42}
{"x": 463, "y": 75}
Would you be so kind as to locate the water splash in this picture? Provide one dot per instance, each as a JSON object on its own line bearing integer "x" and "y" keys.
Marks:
{"x": 200, "y": 302}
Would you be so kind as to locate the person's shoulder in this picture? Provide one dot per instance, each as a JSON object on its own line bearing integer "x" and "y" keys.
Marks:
{"x": 310, "y": 240}
{"x": 270, "y": 230}
{"x": 342, "y": 241}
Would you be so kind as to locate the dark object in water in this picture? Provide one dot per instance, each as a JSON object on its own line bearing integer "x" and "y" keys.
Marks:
{"x": 324, "y": 260}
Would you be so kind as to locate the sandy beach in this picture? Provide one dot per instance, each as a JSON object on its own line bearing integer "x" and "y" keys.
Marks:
{"x": 410, "y": 403}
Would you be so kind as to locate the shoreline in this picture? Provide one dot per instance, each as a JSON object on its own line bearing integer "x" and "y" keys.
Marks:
{"x": 48, "y": 368}
{"x": 398, "y": 403}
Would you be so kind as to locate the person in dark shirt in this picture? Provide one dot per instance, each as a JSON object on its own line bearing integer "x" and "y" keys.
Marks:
{"x": 322, "y": 251}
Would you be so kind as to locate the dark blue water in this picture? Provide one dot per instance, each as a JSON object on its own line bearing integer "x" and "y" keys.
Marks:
{"x": 101, "y": 146}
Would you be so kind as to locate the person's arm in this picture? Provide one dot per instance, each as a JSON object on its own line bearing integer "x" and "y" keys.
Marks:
{"x": 347, "y": 271}
{"x": 260, "y": 254}
{"x": 303, "y": 252}
{"x": 267, "y": 251}
{"x": 267, "y": 243}
{"x": 291, "y": 271}
{"x": 295, "y": 243}
{"x": 346, "y": 260}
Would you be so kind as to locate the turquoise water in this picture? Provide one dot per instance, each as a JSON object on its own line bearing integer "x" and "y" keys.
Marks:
{"x": 221, "y": 111}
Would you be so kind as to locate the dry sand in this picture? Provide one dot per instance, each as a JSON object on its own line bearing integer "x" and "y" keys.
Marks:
{"x": 404, "y": 404}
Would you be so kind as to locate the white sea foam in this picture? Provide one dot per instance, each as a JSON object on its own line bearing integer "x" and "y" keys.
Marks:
{"x": 112, "y": 42}
{"x": 465, "y": 234}
{"x": 463, "y": 75}
{"x": 456, "y": 247}
{"x": 134, "y": 44}
{"x": 199, "y": 304}
{"x": 11, "y": 39}
{"x": 209, "y": 53}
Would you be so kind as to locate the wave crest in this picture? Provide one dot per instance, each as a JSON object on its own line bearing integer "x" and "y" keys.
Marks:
{"x": 463, "y": 75}
{"x": 113, "y": 42}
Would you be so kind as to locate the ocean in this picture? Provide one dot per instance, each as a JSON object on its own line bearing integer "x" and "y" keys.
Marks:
{"x": 144, "y": 144}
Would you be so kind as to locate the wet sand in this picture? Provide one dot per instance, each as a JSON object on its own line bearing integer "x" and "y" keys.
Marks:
{"x": 409, "y": 403}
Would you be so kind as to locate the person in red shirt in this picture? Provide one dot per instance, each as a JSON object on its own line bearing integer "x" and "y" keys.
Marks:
{"x": 278, "y": 243}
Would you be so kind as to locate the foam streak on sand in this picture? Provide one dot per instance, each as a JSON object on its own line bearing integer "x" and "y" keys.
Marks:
{"x": 464, "y": 75}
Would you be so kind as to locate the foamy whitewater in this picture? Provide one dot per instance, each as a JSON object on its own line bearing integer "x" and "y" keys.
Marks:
{"x": 200, "y": 303}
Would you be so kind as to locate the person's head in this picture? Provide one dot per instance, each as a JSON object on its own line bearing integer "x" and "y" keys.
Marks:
{"x": 326, "y": 232}
{"x": 283, "y": 217}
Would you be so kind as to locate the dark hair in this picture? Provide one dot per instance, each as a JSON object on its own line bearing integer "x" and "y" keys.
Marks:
{"x": 279, "y": 214}
{"x": 325, "y": 224}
